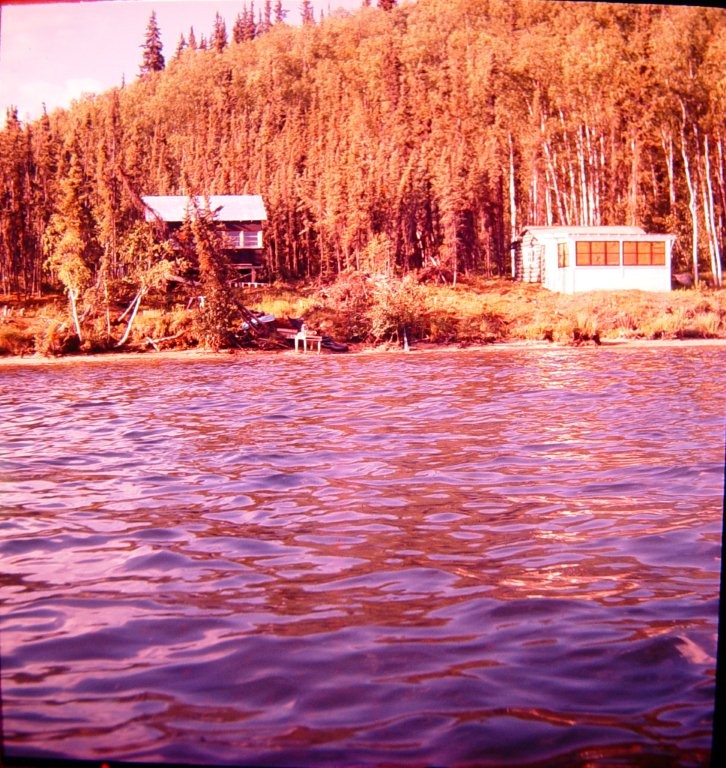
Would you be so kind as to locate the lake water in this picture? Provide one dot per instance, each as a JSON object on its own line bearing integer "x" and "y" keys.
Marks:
{"x": 484, "y": 558}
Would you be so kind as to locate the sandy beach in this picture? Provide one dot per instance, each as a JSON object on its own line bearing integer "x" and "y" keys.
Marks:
{"x": 193, "y": 355}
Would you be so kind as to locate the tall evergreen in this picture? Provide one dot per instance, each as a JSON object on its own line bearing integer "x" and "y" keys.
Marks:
{"x": 214, "y": 276}
{"x": 307, "y": 12}
{"x": 244, "y": 26}
{"x": 181, "y": 45}
{"x": 12, "y": 177}
{"x": 153, "y": 58}
{"x": 280, "y": 12}
{"x": 219, "y": 34}
{"x": 266, "y": 20}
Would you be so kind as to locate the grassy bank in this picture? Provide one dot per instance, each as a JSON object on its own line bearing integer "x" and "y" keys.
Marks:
{"x": 366, "y": 311}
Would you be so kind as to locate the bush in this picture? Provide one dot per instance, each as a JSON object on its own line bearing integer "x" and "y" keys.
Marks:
{"x": 399, "y": 307}
{"x": 13, "y": 341}
{"x": 349, "y": 299}
{"x": 47, "y": 339}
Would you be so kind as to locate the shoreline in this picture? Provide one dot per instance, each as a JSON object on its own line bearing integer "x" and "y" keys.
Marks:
{"x": 37, "y": 360}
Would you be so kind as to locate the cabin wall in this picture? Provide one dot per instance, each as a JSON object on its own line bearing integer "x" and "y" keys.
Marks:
{"x": 528, "y": 262}
{"x": 555, "y": 278}
{"x": 620, "y": 278}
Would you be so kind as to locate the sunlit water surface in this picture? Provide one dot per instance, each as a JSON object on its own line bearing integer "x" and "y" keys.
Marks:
{"x": 493, "y": 558}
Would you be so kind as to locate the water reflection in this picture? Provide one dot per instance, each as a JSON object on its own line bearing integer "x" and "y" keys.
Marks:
{"x": 490, "y": 558}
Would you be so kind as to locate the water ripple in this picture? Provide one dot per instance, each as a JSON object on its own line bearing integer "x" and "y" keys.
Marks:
{"x": 497, "y": 558}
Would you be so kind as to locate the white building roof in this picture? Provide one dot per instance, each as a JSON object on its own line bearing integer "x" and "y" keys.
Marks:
{"x": 226, "y": 207}
{"x": 583, "y": 231}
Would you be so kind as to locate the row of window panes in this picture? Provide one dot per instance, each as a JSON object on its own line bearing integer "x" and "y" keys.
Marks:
{"x": 242, "y": 239}
{"x": 606, "y": 253}
{"x": 647, "y": 253}
{"x": 597, "y": 253}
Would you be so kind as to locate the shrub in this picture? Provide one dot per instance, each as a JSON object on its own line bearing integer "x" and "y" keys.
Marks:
{"x": 444, "y": 328}
{"x": 349, "y": 299}
{"x": 399, "y": 307}
{"x": 14, "y": 341}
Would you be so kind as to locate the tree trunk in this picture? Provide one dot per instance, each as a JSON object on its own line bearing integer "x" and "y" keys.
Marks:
{"x": 512, "y": 191}
{"x": 708, "y": 207}
{"x": 73, "y": 298}
{"x": 633, "y": 198}
{"x": 667, "y": 143}
{"x": 135, "y": 304}
{"x": 693, "y": 195}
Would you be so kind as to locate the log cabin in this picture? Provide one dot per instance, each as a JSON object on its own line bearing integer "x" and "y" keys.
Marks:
{"x": 575, "y": 259}
{"x": 240, "y": 219}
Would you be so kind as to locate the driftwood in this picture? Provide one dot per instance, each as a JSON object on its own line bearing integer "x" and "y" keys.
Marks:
{"x": 155, "y": 342}
{"x": 135, "y": 304}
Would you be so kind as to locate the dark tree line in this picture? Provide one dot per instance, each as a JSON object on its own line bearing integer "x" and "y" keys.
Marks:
{"x": 421, "y": 134}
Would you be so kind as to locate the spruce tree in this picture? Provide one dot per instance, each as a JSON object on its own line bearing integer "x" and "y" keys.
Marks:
{"x": 153, "y": 59}
{"x": 244, "y": 26}
{"x": 219, "y": 34}
{"x": 238, "y": 28}
{"x": 214, "y": 275}
{"x": 266, "y": 21}
{"x": 181, "y": 45}
{"x": 307, "y": 12}
{"x": 280, "y": 12}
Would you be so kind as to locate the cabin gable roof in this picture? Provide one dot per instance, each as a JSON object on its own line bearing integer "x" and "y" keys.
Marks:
{"x": 175, "y": 208}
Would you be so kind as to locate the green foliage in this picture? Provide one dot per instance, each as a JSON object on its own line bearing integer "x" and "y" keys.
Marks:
{"x": 13, "y": 342}
{"x": 350, "y": 298}
{"x": 146, "y": 260}
{"x": 422, "y": 136}
{"x": 398, "y": 309}
{"x": 219, "y": 34}
{"x": 65, "y": 259}
{"x": 217, "y": 303}
{"x": 153, "y": 58}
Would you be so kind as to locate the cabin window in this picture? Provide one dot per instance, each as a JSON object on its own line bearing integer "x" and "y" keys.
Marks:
{"x": 650, "y": 253}
{"x": 597, "y": 253}
{"x": 563, "y": 255}
{"x": 250, "y": 239}
{"x": 230, "y": 239}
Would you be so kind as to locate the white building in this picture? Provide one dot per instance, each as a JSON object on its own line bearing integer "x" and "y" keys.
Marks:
{"x": 575, "y": 259}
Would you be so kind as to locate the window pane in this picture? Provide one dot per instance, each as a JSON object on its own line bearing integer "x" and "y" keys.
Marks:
{"x": 659, "y": 253}
{"x": 613, "y": 253}
{"x": 563, "y": 255}
{"x": 643, "y": 254}
{"x": 583, "y": 254}
{"x": 250, "y": 240}
{"x": 630, "y": 253}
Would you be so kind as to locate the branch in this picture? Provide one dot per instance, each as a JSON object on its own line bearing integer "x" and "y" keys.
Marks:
{"x": 136, "y": 303}
{"x": 155, "y": 342}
